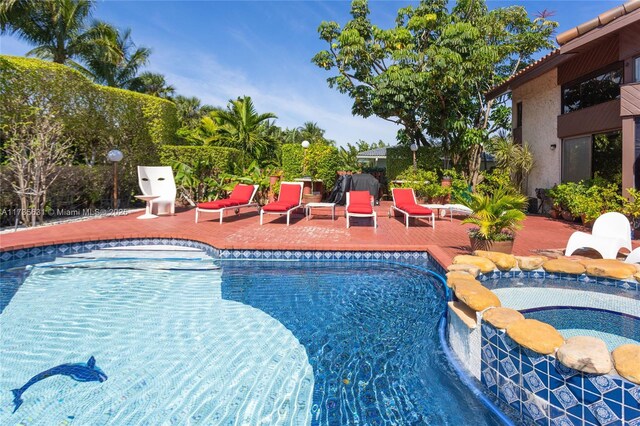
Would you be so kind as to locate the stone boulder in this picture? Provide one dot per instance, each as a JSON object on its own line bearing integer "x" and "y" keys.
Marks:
{"x": 470, "y": 269}
{"x": 530, "y": 263}
{"x": 585, "y": 353}
{"x": 626, "y": 359}
{"x": 535, "y": 335}
{"x": 484, "y": 264}
{"x": 453, "y": 282}
{"x": 504, "y": 262}
{"x": 637, "y": 276}
{"x": 564, "y": 266}
{"x": 455, "y": 276}
{"x": 609, "y": 268}
{"x": 502, "y": 317}
{"x": 475, "y": 296}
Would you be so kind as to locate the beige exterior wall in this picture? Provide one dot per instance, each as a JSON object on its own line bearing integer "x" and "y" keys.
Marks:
{"x": 541, "y": 105}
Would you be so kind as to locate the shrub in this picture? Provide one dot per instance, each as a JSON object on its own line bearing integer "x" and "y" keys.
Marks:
{"x": 399, "y": 158}
{"x": 497, "y": 215}
{"x": 221, "y": 159}
{"x": 587, "y": 199}
{"x": 94, "y": 118}
{"x": 494, "y": 180}
{"x": 322, "y": 162}
{"x": 425, "y": 183}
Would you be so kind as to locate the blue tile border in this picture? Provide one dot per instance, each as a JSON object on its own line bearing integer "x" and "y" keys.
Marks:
{"x": 630, "y": 284}
{"x": 547, "y": 392}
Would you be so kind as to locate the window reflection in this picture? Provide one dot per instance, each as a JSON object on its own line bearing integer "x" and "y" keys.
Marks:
{"x": 592, "y": 91}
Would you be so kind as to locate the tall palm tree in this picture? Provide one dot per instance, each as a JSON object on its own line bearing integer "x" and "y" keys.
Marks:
{"x": 311, "y": 132}
{"x": 243, "y": 127}
{"x": 58, "y": 28}
{"x": 121, "y": 70}
{"x": 153, "y": 84}
{"x": 188, "y": 109}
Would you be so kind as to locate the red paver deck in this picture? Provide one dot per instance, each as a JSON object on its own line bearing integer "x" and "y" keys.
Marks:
{"x": 243, "y": 231}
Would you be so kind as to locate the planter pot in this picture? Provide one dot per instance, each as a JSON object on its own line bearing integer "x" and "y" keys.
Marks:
{"x": 499, "y": 246}
{"x": 446, "y": 181}
{"x": 587, "y": 223}
{"x": 554, "y": 213}
{"x": 312, "y": 198}
{"x": 567, "y": 216}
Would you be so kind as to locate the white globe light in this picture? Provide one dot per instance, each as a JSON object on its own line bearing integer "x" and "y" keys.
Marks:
{"x": 114, "y": 155}
{"x": 414, "y": 147}
{"x": 305, "y": 144}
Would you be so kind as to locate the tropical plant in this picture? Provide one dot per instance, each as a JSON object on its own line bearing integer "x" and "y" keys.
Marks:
{"x": 151, "y": 83}
{"x": 497, "y": 215}
{"x": 631, "y": 206}
{"x": 431, "y": 72}
{"x": 59, "y": 30}
{"x": 240, "y": 126}
{"x": 425, "y": 183}
{"x": 494, "y": 179}
{"x": 516, "y": 159}
{"x": 119, "y": 71}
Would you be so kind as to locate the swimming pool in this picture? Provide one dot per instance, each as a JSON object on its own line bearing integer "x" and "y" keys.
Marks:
{"x": 182, "y": 339}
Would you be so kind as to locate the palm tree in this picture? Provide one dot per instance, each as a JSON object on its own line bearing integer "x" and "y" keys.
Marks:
{"x": 243, "y": 127}
{"x": 188, "y": 109}
{"x": 121, "y": 70}
{"x": 311, "y": 132}
{"x": 151, "y": 83}
{"x": 59, "y": 29}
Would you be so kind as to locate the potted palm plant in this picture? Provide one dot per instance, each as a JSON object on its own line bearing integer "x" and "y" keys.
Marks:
{"x": 497, "y": 217}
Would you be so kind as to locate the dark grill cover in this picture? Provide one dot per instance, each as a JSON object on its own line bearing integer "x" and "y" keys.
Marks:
{"x": 366, "y": 182}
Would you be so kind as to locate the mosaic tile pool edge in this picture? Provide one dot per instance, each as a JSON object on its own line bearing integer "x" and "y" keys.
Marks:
{"x": 630, "y": 284}
{"x": 83, "y": 247}
{"x": 547, "y": 393}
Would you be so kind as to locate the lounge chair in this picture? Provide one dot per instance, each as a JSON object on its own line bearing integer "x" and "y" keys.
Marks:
{"x": 241, "y": 197}
{"x": 404, "y": 201}
{"x": 611, "y": 232}
{"x": 289, "y": 199}
{"x": 360, "y": 204}
{"x": 158, "y": 181}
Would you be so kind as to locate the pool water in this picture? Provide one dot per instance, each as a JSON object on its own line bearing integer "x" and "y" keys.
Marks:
{"x": 184, "y": 339}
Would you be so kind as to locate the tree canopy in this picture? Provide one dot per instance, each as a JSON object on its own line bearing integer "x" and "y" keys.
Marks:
{"x": 430, "y": 72}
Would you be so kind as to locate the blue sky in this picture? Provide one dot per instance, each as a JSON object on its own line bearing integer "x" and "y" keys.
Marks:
{"x": 218, "y": 50}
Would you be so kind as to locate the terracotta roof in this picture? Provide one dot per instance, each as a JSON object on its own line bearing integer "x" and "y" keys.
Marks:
{"x": 597, "y": 22}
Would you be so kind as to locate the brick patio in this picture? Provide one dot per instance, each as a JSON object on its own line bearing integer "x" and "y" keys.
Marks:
{"x": 243, "y": 231}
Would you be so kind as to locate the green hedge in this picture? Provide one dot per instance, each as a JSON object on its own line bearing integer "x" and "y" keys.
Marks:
{"x": 399, "y": 158}
{"x": 223, "y": 159}
{"x": 322, "y": 162}
{"x": 96, "y": 118}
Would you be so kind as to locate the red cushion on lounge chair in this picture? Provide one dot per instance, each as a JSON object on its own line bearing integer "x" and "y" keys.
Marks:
{"x": 278, "y": 207}
{"x": 360, "y": 208}
{"x": 403, "y": 196}
{"x": 289, "y": 194}
{"x": 218, "y": 204}
{"x": 242, "y": 193}
{"x": 415, "y": 209}
{"x": 359, "y": 197}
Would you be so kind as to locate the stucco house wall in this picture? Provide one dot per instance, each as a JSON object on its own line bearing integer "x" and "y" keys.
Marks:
{"x": 541, "y": 106}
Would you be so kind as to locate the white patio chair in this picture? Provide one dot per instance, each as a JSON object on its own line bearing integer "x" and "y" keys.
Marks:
{"x": 634, "y": 256}
{"x": 611, "y": 232}
{"x": 154, "y": 180}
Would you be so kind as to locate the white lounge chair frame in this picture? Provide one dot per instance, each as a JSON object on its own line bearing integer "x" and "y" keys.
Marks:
{"x": 159, "y": 180}
{"x": 349, "y": 215}
{"x": 234, "y": 208}
{"x": 431, "y": 216}
{"x": 288, "y": 212}
{"x": 611, "y": 232}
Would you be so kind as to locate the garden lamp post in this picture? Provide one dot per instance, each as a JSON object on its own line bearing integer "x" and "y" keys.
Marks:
{"x": 305, "y": 145}
{"x": 414, "y": 148}
{"x": 115, "y": 156}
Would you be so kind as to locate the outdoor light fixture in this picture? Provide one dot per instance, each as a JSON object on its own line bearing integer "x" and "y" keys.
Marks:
{"x": 115, "y": 156}
{"x": 553, "y": 147}
{"x": 305, "y": 145}
{"x": 414, "y": 148}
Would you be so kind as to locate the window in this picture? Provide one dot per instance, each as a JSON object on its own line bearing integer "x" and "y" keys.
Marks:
{"x": 636, "y": 67}
{"x": 519, "y": 114}
{"x": 587, "y": 156}
{"x": 599, "y": 87}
